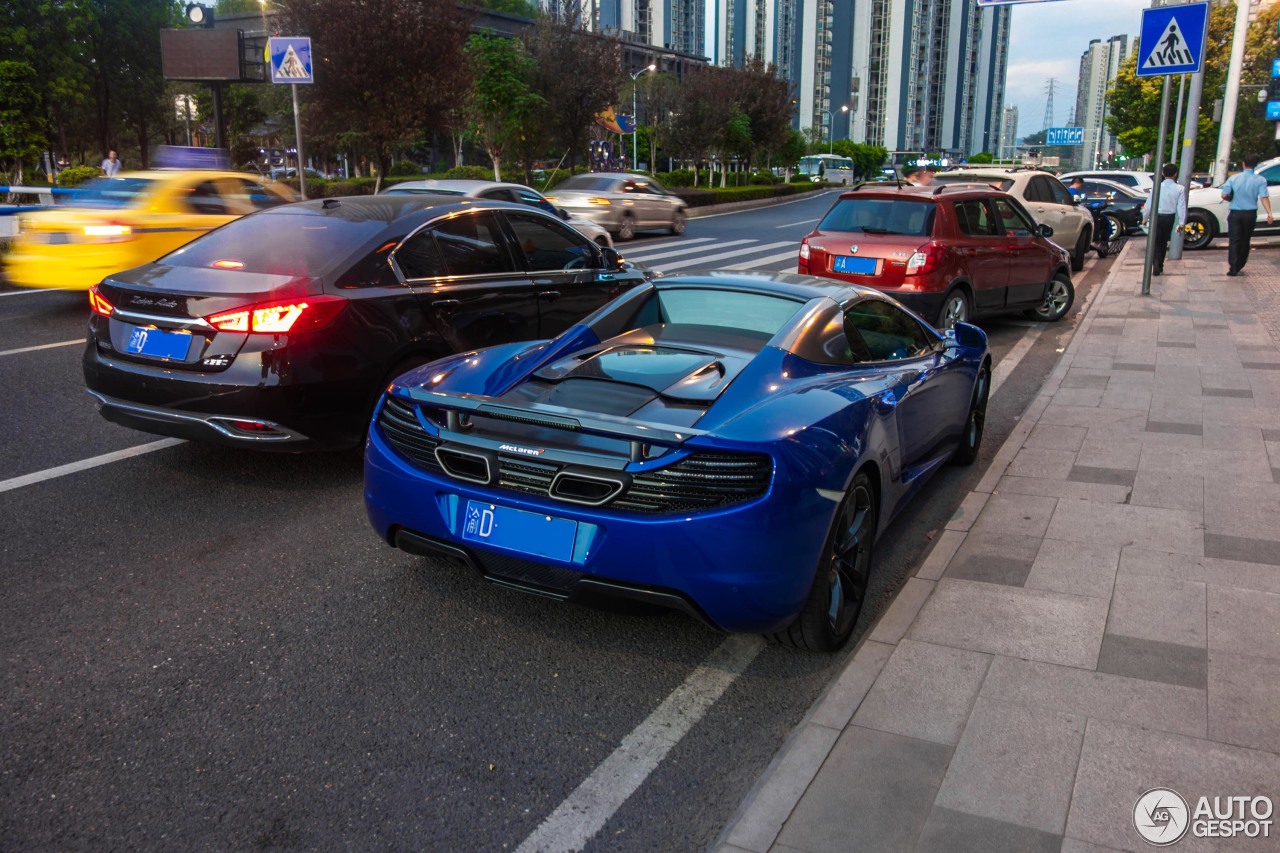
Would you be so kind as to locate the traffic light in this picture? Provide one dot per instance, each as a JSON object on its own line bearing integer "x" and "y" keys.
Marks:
{"x": 200, "y": 15}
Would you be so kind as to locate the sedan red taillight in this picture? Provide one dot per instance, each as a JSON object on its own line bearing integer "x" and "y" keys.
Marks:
{"x": 99, "y": 303}
{"x": 803, "y": 264}
{"x": 279, "y": 318}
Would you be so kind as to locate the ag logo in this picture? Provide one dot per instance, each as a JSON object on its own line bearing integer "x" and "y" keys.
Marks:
{"x": 1161, "y": 816}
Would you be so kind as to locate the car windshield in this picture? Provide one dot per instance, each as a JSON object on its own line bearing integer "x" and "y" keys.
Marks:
{"x": 880, "y": 216}
{"x": 284, "y": 241}
{"x": 726, "y": 309}
{"x": 110, "y": 192}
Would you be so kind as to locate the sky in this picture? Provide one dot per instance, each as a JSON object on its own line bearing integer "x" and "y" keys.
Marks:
{"x": 1046, "y": 41}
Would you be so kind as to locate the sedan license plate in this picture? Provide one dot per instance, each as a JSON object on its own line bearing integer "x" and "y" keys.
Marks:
{"x": 516, "y": 530}
{"x": 854, "y": 266}
{"x": 158, "y": 343}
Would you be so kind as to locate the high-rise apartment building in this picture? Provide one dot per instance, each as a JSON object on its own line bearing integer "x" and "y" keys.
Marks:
{"x": 1098, "y": 67}
{"x": 1008, "y": 145}
{"x": 924, "y": 76}
{"x": 675, "y": 25}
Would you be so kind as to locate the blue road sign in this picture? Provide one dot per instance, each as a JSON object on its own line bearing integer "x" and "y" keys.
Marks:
{"x": 1172, "y": 40}
{"x": 1275, "y": 68}
{"x": 1064, "y": 136}
{"x": 1273, "y": 110}
{"x": 290, "y": 60}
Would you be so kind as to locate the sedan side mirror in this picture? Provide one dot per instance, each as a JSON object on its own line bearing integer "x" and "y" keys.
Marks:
{"x": 612, "y": 260}
{"x": 1046, "y": 231}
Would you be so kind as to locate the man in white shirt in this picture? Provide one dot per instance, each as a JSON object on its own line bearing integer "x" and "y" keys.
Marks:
{"x": 111, "y": 165}
{"x": 1172, "y": 213}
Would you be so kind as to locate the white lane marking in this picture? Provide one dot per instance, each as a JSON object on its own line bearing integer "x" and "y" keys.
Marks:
{"x": 42, "y": 346}
{"x": 1013, "y": 357}
{"x": 704, "y": 262}
{"x": 585, "y": 811}
{"x": 37, "y": 290}
{"x": 801, "y": 222}
{"x": 641, "y": 248}
{"x": 793, "y": 255}
{"x": 85, "y": 464}
{"x": 646, "y": 257}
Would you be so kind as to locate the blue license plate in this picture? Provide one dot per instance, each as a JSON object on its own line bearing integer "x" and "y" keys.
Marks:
{"x": 854, "y": 266}
{"x": 158, "y": 343}
{"x": 516, "y": 530}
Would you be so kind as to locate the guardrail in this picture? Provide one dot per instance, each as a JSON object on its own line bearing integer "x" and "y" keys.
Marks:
{"x": 45, "y": 194}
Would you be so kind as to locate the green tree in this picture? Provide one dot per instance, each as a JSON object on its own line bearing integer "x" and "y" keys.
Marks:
{"x": 981, "y": 157}
{"x": 502, "y": 104}
{"x": 704, "y": 110}
{"x": 789, "y": 154}
{"x": 22, "y": 125}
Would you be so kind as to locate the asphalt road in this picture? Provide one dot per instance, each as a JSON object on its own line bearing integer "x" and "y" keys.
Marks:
{"x": 207, "y": 648}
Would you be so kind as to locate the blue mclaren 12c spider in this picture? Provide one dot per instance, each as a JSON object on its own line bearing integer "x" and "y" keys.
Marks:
{"x": 726, "y": 444}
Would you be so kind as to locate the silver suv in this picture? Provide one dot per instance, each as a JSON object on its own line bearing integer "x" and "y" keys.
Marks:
{"x": 622, "y": 203}
{"x": 1044, "y": 196}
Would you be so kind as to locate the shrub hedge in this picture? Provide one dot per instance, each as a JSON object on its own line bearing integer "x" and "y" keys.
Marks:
{"x": 701, "y": 197}
{"x": 77, "y": 175}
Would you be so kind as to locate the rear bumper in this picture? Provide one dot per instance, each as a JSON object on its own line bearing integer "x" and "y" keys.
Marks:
{"x": 746, "y": 567}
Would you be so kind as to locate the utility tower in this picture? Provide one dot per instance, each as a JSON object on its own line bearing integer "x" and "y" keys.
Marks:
{"x": 1048, "y": 104}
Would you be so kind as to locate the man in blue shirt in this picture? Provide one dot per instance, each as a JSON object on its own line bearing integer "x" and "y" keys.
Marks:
{"x": 1245, "y": 190}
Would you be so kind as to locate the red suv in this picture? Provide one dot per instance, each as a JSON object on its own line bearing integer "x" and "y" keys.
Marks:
{"x": 949, "y": 252}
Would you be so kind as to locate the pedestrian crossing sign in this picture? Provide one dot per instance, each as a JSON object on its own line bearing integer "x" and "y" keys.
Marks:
{"x": 1172, "y": 40}
{"x": 290, "y": 60}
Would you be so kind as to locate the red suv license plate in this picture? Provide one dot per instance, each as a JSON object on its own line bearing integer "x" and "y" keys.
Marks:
{"x": 854, "y": 266}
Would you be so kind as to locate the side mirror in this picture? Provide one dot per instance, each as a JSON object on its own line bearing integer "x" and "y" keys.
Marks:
{"x": 1046, "y": 231}
{"x": 968, "y": 335}
{"x": 562, "y": 213}
{"x": 612, "y": 260}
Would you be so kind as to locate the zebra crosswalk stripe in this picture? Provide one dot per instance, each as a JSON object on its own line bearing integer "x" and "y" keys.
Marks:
{"x": 648, "y": 256}
{"x": 708, "y": 261}
{"x": 792, "y": 255}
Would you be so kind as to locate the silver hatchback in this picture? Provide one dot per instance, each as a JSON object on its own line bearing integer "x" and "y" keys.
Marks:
{"x": 622, "y": 203}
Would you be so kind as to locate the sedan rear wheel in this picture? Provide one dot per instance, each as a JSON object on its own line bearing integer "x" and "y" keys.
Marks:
{"x": 954, "y": 310}
{"x": 839, "y": 589}
{"x": 1200, "y": 230}
{"x": 1057, "y": 300}
{"x": 677, "y": 223}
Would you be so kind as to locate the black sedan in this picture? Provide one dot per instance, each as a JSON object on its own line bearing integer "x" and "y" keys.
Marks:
{"x": 279, "y": 330}
{"x": 1124, "y": 204}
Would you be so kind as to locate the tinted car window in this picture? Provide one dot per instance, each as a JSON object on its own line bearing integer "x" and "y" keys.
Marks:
{"x": 880, "y": 216}
{"x": 205, "y": 198}
{"x": 1035, "y": 191}
{"x": 587, "y": 182}
{"x": 748, "y": 312}
{"x": 419, "y": 257}
{"x": 500, "y": 194}
{"x": 282, "y": 241}
{"x": 1012, "y": 219}
{"x": 887, "y": 333}
{"x": 1058, "y": 191}
{"x": 472, "y": 245}
{"x": 974, "y": 218}
{"x": 548, "y": 245}
{"x": 1272, "y": 175}
{"x": 251, "y": 196}
{"x": 533, "y": 199}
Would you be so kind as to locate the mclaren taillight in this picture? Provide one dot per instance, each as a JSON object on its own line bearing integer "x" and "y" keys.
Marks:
{"x": 804, "y": 255}
{"x": 99, "y": 303}
{"x": 924, "y": 259}
{"x": 108, "y": 232}
{"x": 279, "y": 318}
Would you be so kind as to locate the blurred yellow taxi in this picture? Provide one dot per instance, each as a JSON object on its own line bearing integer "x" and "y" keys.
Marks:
{"x": 114, "y": 224}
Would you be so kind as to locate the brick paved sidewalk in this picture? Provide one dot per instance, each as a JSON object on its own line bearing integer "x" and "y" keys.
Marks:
{"x": 1101, "y": 617}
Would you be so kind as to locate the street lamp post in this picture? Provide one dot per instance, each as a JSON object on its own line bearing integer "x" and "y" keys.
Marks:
{"x": 635, "y": 133}
{"x": 831, "y": 126}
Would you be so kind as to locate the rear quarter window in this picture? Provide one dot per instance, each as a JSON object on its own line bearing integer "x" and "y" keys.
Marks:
{"x": 880, "y": 216}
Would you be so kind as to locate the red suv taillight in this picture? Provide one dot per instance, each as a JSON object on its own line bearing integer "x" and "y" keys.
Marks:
{"x": 803, "y": 264}
{"x": 924, "y": 259}
{"x": 278, "y": 318}
{"x": 99, "y": 303}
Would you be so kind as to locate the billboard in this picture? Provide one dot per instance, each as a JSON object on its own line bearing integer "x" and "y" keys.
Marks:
{"x": 200, "y": 53}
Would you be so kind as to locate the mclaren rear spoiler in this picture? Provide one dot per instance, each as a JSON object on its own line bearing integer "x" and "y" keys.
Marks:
{"x": 457, "y": 407}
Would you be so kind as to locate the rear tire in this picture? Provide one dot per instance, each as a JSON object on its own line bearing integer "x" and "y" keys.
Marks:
{"x": 627, "y": 229}
{"x": 1057, "y": 300}
{"x": 830, "y": 613}
{"x": 677, "y": 224}
{"x": 1202, "y": 230}
{"x": 971, "y": 441}
{"x": 954, "y": 310}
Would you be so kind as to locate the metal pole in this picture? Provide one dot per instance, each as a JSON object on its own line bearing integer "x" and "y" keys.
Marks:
{"x": 1177, "y": 121}
{"x": 1155, "y": 191}
{"x": 635, "y": 133}
{"x": 219, "y": 137}
{"x": 1232, "y": 94}
{"x": 1190, "y": 130}
{"x": 831, "y": 130}
{"x": 297, "y": 134}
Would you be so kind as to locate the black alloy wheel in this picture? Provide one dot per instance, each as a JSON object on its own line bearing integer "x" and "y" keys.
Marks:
{"x": 971, "y": 441}
{"x": 839, "y": 590}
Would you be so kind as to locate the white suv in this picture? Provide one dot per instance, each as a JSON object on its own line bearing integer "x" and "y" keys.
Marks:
{"x": 1044, "y": 196}
{"x": 1207, "y": 211}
